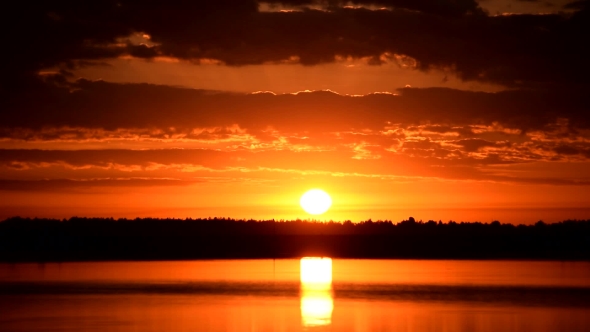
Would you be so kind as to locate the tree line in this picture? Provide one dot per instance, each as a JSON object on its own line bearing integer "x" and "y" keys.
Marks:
{"x": 80, "y": 238}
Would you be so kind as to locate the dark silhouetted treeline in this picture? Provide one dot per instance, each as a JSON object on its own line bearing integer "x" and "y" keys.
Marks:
{"x": 23, "y": 239}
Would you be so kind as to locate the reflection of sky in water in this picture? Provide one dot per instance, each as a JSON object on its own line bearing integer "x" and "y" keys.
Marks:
{"x": 317, "y": 302}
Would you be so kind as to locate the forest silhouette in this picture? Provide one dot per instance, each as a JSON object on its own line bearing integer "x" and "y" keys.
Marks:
{"x": 87, "y": 239}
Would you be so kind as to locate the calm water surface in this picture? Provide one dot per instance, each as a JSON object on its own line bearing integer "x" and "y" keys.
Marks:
{"x": 296, "y": 295}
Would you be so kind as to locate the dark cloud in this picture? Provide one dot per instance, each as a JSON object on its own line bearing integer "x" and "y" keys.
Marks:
{"x": 435, "y": 126}
{"x": 578, "y": 4}
{"x": 573, "y": 149}
{"x": 110, "y": 106}
{"x": 418, "y": 162}
{"x": 179, "y": 159}
{"x": 516, "y": 50}
{"x": 102, "y": 158}
{"x": 472, "y": 145}
{"x": 67, "y": 184}
{"x": 567, "y": 150}
{"x": 443, "y": 7}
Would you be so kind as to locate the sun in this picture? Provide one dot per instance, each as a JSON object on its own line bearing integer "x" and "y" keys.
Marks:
{"x": 315, "y": 201}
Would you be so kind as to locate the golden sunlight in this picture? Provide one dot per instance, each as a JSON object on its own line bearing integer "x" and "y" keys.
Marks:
{"x": 317, "y": 302}
{"x": 315, "y": 201}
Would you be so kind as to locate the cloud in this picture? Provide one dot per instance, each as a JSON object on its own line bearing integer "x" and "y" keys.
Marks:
{"x": 424, "y": 159}
{"x": 68, "y": 184}
{"x": 443, "y": 8}
{"x": 581, "y": 150}
{"x": 170, "y": 110}
{"x": 472, "y": 145}
{"x": 578, "y": 4}
{"x": 515, "y": 50}
{"x": 111, "y": 125}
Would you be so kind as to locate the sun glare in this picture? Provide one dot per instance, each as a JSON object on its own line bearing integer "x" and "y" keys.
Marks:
{"x": 315, "y": 201}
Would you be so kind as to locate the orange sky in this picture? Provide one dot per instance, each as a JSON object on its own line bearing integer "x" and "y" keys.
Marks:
{"x": 451, "y": 111}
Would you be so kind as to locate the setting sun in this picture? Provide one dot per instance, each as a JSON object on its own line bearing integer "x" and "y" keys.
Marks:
{"x": 315, "y": 201}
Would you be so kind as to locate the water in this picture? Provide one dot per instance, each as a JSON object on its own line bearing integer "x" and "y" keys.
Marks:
{"x": 294, "y": 295}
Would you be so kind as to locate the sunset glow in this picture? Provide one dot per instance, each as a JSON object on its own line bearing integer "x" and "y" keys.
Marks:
{"x": 295, "y": 165}
{"x": 223, "y": 109}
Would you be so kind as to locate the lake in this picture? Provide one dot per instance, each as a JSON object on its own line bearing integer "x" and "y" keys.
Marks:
{"x": 309, "y": 294}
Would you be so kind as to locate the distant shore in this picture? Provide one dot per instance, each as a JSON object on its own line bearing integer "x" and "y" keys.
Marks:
{"x": 91, "y": 239}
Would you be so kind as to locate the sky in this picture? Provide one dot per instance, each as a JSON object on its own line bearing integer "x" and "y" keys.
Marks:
{"x": 446, "y": 110}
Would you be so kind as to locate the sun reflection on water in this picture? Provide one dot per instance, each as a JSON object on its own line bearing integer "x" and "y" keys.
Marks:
{"x": 317, "y": 302}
